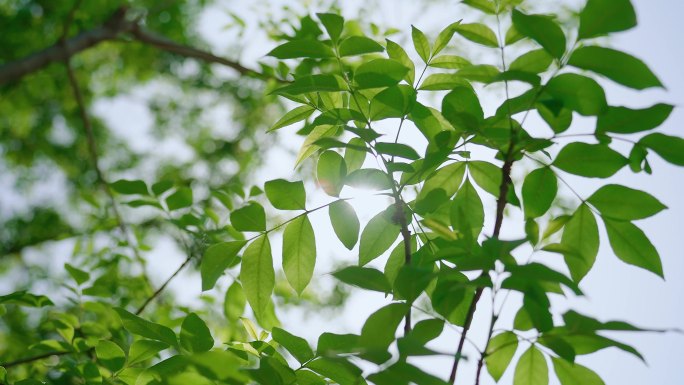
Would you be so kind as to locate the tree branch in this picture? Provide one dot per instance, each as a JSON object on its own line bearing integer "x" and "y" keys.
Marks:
{"x": 114, "y": 27}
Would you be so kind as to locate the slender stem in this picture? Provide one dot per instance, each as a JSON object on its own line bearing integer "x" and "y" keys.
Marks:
{"x": 498, "y": 221}
{"x": 27, "y": 360}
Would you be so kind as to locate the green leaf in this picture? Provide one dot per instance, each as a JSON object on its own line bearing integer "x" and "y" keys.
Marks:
{"x": 396, "y": 52}
{"x": 478, "y": 33}
{"x": 486, "y": 175}
{"x": 392, "y": 102}
{"x": 364, "y": 277}
{"x": 379, "y": 73}
{"x": 234, "y": 302}
{"x": 358, "y": 45}
{"x": 345, "y": 223}
{"x": 308, "y": 48}
{"x": 379, "y": 330}
{"x": 195, "y": 336}
{"x": 339, "y": 370}
{"x": 581, "y": 237}
{"x": 354, "y": 158}
{"x": 397, "y": 149}
{"x": 296, "y": 115}
{"x": 631, "y": 245}
{"x": 461, "y": 107}
{"x": 625, "y": 120}
{"x": 130, "y": 187}
{"x": 483, "y": 73}
{"x": 447, "y": 178}
{"x": 369, "y": 178}
{"x": 286, "y": 195}
{"x": 600, "y": 17}
{"x": 217, "y": 258}
{"x": 500, "y": 352}
{"x": 543, "y": 30}
{"x": 578, "y": 93}
{"x": 486, "y": 6}
{"x": 467, "y": 213}
{"x": 333, "y": 23}
{"x": 110, "y": 355}
{"x": 615, "y": 65}
{"x": 623, "y": 203}
{"x": 299, "y": 253}
{"x": 536, "y": 61}
{"x": 147, "y": 329}
{"x": 412, "y": 280}
{"x": 444, "y": 37}
{"x": 589, "y": 160}
{"x": 331, "y": 344}
{"x": 513, "y": 36}
{"x": 314, "y": 83}
{"x": 439, "y": 82}
{"x": 670, "y": 148}
{"x": 538, "y": 192}
{"x": 378, "y": 235}
{"x": 257, "y": 274}
{"x": 331, "y": 170}
{"x": 297, "y": 346}
{"x": 142, "y": 350}
{"x": 78, "y": 275}
{"x": 532, "y": 368}
{"x": 180, "y": 199}
{"x": 420, "y": 42}
{"x": 559, "y": 121}
{"x": 573, "y": 373}
{"x": 449, "y": 62}
{"x": 251, "y": 217}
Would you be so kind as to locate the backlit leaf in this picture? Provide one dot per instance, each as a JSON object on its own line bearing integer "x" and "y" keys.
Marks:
{"x": 251, "y": 217}
{"x": 257, "y": 274}
{"x": 299, "y": 253}
{"x": 147, "y": 329}
{"x": 308, "y": 48}
{"x": 345, "y": 223}
{"x": 532, "y": 368}
{"x": 573, "y": 373}
{"x": 581, "y": 237}
{"x": 379, "y": 73}
{"x": 296, "y": 115}
{"x": 217, "y": 258}
{"x": 286, "y": 195}
{"x": 378, "y": 235}
{"x": 420, "y": 42}
{"x": 478, "y": 33}
{"x": 500, "y": 352}
{"x": 358, "y": 45}
{"x": 331, "y": 170}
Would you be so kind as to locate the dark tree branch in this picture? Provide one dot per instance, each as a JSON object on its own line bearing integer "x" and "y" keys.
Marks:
{"x": 163, "y": 286}
{"x": 27, "y": 360}
{"x": 114, "y": 27}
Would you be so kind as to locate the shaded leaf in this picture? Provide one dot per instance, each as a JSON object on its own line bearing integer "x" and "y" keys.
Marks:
{"x": 195, "y": 336}
{"x": 600, "y": 17}
{"x": 589, "y": 160}
{"x": 631, "y": 245}
{"x": 538, "y": 191}
{"x": 345, "y": 223}
{"x": 615, "y": 65}
{"x": 297, "y": 346}
{"x": 625, "y": 120}
{"x": 308, "y": 48}
{"x": 251, "y": 217}
{"x": 543, "y": 30}
{"x": 578, "y": 93}
{"x": 364, "y": 277}
{"x": 623, "y": 203}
